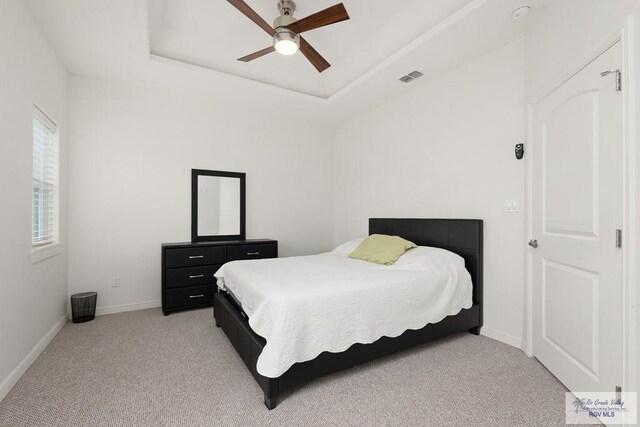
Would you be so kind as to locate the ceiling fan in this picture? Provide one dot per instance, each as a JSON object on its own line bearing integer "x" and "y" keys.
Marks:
{"x": 286, "y": 30}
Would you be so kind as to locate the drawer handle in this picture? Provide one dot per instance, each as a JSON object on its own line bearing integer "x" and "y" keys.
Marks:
{"x": 196, "y": 256}
{"x": 197, "y": 276}
{"x": 196, "y": 296}
{"x": 253, "y": 253}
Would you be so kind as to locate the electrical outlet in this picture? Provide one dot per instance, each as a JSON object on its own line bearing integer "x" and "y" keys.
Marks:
{"x": 115, "y": 281}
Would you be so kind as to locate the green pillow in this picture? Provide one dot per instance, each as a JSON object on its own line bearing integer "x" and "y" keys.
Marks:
{"x": 381, "y": 249}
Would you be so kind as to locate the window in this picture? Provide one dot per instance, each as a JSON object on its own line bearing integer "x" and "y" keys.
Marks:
{"x": 44, "y": 196}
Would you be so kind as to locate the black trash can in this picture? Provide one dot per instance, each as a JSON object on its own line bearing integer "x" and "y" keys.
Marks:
{"x": 83, "y": 306}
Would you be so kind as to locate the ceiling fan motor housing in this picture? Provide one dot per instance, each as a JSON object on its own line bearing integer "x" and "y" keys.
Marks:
{"x": 282, "y": 21}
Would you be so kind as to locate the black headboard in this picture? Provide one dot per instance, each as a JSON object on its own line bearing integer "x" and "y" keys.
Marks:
{"x": 461, "y": 236}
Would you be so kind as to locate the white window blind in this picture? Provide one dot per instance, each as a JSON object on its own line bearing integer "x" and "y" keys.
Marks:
{"x": 44, "y": 206}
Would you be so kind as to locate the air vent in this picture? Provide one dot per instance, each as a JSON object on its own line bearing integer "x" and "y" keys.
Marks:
{"x": 411, "y": 77}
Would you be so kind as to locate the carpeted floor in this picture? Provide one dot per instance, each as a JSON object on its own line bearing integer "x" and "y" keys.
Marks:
{"x": 143, "y": 369}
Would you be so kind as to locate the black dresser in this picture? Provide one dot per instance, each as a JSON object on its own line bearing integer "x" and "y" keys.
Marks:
{"x": 188, "y": 269}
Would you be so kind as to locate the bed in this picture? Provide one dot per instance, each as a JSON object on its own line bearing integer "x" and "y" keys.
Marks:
{"x": 456, "y": 311}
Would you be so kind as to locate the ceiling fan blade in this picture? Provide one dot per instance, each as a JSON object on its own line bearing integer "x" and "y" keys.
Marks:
{"x": 258, "y": 54}
{"x": 313, "y": 56}
{"x": 331, "y": 15}
{"x": 251, "y": 14}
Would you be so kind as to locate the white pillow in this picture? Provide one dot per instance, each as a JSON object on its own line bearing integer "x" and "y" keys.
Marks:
{"x": 348, "y": 247}
{"x": 428, "y": 257}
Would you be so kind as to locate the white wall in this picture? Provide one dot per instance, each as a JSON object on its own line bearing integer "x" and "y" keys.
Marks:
{"x": 131, "y": 155}
{"x": 33, "y": 295}
{"x": 561, "y": 38}
{"x": 446, "y": 150}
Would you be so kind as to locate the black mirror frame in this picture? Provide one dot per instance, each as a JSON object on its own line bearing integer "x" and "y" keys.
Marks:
{"x": 195, "y": 173}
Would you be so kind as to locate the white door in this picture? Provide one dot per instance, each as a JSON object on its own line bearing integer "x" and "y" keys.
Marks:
{"x": 577, "y": 208}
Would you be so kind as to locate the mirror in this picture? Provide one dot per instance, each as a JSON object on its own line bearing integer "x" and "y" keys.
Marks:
{"x": 217, "y": 205}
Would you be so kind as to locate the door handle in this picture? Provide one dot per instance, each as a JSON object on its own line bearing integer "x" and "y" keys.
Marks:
{"x": 533, "y": 243}
{"x": 618, "y": 74}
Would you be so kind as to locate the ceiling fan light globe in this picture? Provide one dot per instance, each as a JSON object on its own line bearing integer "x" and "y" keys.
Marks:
{"x": 286, "y": 47}
{"x": 286, "y": 42}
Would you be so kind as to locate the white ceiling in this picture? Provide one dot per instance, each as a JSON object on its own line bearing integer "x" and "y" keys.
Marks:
{"x": 192, "y": 46}
{"x": 213, "y": 34}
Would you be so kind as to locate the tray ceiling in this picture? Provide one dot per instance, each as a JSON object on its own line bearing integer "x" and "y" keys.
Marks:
{"x": 190, "y": 48}
{"x": 213, "y": 34}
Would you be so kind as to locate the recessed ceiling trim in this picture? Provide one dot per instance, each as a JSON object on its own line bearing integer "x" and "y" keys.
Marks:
{"x": 400, "y": 53}
{"x": 237, "y": 79}
{"x": 409, "y": 47}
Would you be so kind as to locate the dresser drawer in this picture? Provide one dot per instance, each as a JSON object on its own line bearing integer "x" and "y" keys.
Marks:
{"x": 239, "y": 252}
{"x": 188, "y": 269}
{"x": 191, "y": 296}
{"x": 191, "y": 276}
{"x": 194, "y": 256}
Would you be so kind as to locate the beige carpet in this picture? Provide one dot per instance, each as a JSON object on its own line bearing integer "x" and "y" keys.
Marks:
{"x": 144, "y": 369}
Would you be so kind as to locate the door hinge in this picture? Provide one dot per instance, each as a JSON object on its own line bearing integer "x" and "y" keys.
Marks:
{"x": 618, "y": 74}
{"x": 618, "y": 238}
{"x": 618, "y": 392}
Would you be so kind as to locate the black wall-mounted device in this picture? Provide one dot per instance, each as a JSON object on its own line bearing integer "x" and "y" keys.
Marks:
{"x": 519, "y": 151}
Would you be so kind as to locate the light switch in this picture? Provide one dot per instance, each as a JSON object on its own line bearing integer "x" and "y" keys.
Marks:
{"x": 511, "y": 206}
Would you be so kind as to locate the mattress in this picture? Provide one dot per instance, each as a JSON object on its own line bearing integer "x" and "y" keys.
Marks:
{"x": 303, "y": 306}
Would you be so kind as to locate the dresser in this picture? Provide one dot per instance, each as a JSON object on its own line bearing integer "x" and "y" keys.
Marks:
{"x": 188, "y": 269}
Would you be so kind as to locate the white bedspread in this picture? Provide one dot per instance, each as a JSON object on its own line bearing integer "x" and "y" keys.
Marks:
{"x": 306, "y": 305}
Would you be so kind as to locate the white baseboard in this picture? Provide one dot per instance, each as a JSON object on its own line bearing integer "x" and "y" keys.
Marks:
{"x": 112, "y": 309}
{"x": 8, "y": 383}
{"x": 499, "y": 336}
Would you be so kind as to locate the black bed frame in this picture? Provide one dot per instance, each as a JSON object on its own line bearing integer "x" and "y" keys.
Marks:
{"x": 461, "y": 236}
